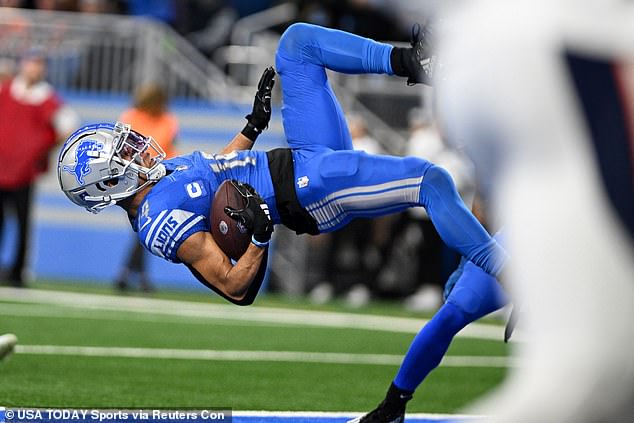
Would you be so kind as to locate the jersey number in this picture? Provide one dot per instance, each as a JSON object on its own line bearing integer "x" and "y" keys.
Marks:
{"x": 194, "y": 190}
{"x": 224, "y": 162}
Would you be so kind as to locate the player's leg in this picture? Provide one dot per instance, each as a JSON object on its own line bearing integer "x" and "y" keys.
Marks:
{"x": 475, "y": 294}
{"x": 22, "y": 198}
{"x": 457, "y": 226}
{"x": 334, "y": 49}
{"x": 3, "y": 201}
{"x": 311, "y": 114}
{"x": 342, "y": 185}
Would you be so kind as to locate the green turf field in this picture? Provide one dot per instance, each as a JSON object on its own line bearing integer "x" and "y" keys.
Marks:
{"x": 187, "y": 350}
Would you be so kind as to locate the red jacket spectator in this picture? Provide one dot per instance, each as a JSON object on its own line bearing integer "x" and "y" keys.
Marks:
{"x": 32, "y": 120}
{"x": 27, "y": 131}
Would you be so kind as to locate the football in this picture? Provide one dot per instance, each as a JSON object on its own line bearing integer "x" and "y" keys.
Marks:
{"x": 232, "y": 237}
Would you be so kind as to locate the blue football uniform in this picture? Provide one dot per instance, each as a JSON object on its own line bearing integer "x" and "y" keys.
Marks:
{"x": 322, "y": 176}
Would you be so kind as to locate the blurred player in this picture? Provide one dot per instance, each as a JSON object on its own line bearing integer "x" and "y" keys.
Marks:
{"x": 542, "y": 94}
{"x": 7, "y": 344}
{"x": 317, "y": 185}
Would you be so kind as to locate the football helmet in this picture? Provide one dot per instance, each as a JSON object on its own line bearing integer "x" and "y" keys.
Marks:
{"x": 101, "y": 164}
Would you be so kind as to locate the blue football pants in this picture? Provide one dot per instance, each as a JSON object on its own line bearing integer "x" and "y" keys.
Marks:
{"x": 336, "y": 183}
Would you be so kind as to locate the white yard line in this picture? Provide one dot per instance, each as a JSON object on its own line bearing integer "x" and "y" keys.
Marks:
{"x": 233, "y": 355}
{"x": 63, "y": 312}
{"x": 221, "y": 311}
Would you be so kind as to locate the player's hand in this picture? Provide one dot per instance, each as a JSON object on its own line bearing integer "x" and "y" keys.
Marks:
{"x": 254, "y": 216}
{"x": 258, "y": 119}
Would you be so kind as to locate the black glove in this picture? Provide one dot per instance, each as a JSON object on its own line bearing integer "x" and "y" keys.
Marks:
{"x": 254, "y": 216}
{"x": 258, "y": 119}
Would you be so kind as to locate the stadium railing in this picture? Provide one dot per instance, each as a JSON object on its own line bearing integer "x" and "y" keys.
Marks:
{"x": 113, "y": 54}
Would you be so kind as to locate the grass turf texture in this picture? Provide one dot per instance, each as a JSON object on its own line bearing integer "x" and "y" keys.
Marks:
{"x": 87, "y": 382}
{"x": 92, "y": 382}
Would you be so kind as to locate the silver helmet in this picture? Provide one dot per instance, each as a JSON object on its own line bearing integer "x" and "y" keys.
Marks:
{"x": 101, "y": 164}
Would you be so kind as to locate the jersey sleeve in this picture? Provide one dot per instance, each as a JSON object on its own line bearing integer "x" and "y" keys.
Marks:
{"x": 164, "y": 233}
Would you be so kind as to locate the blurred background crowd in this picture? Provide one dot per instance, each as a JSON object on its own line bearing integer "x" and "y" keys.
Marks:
{"x": 207, "y": 23}
{"x": 184, "y": 72}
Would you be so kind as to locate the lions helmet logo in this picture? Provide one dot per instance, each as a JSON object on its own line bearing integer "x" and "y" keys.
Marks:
{"x": 82, "y": 157}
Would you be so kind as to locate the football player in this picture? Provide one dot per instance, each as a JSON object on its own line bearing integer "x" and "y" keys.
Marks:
{"x": 316, "y": 185}
{"x": 556, "y": 136}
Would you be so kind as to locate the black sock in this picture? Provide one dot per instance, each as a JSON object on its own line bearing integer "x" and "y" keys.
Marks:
{"x": 400, "y": 57}
{"x": 397, "y": 397}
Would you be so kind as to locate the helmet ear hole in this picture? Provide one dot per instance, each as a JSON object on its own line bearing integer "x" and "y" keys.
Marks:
{"x": 112, "y": 182}
{"x": 108, "y": 183}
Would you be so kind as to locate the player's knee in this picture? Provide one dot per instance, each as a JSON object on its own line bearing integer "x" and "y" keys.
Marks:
{"x": 437, "y": 182}
{"x": 440, "y": 179}
{"x": 295, "y": 37}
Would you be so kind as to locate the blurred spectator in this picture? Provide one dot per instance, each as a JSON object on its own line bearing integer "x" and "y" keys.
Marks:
{"x": 7, "y": 69}
{"x": 61, "y": 5}
{"x": 93, "y": 6}
{"x": 33, "y": 120}
{"x": 149, "y": 116}
{"x": 361, "y": 139}
{"x": 207, "y": 24}
{"x": 14, "y": 23}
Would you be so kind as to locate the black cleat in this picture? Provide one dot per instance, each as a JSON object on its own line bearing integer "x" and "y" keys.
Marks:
{"x": 382, "y": 414}
{"x": 422, "y": 60}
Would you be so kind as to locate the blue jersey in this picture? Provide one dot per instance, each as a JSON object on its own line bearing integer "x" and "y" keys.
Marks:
{"x": 179, "y": 204}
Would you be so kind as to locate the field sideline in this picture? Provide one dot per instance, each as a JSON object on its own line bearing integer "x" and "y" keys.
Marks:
{"x": 89, "y": 350}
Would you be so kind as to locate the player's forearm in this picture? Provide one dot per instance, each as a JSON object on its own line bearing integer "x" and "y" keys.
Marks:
{"x": 241, "y": 275}
{"x": 239, "y": 142}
